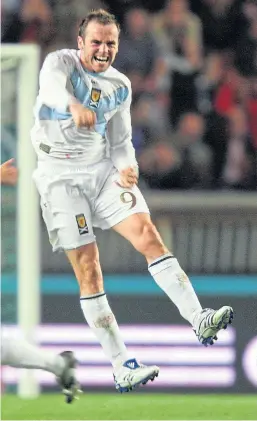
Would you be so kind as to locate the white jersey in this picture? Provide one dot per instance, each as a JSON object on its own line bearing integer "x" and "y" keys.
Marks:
{"x": 108, "y": 94}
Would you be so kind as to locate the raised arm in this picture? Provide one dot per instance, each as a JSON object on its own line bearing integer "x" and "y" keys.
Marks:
{"x": 54, "y": 82}
{"x": 56, "y": 90}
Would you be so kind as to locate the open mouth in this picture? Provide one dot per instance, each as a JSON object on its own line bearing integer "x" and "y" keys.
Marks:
{"x": 101, "y": 59}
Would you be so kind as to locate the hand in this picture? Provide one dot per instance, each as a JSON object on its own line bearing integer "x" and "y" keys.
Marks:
{"x": 9, "y": 173}
{"x": 128, "y": 177}
{"x": 83, "y": 116}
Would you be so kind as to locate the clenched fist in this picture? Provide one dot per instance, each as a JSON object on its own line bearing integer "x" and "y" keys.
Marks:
{"x": 83, "y": 117}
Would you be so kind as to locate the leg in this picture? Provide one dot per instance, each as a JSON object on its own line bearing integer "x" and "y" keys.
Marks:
{"x": 163, "y": 266}
{"x": 19, "y": 353}
{"x": 94, "y": 304}
{"x": 165, "y": 269}
{"x": 126, "y": 211}
{"x": 67, "y": 214}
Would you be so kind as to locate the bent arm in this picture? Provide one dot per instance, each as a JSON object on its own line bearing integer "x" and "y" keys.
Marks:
{"x": 119, "y": 136}
{"x": 54, "y": 81}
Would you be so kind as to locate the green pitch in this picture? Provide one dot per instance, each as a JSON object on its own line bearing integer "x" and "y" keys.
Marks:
{"x": 132, "y": 407}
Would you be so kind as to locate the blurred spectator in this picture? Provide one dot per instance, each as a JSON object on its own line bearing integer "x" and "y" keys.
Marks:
{"x": 215, "y": 136}
{"x": 26, "y": 21}
{"x": 121, "y": 7}
{"x": 149, "y": 121}
{"x": 239, "y": 171}
{"x": 181, "y": 160}
{"x": 138, "y": 54}
{"x": 37, "y": 18}
{"x": 188, "y": 140}
{"x": 246, "y": 48}
{"x": 251, "y": 108}
{"x": 232, "y": 90}
{"x": 50, "y": 23}
{"x": 208, "y": 81}
{"x": 221, "y": 21}
{"x": 153, "y": 5}
{"x": 67, "y": 15}
{"x": 179, "y": 34}
{"x": 162, "y": 167}
{"x": 11, "y": 25}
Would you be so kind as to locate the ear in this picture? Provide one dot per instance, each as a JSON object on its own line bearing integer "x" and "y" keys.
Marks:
{"x": 80, "y": 43}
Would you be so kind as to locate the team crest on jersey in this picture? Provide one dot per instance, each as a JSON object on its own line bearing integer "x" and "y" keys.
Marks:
{"x": 82, "y": 224}
{"x": 95, "y": 97}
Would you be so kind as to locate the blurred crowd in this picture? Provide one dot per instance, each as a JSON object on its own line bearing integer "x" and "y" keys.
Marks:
{"x": 193, "y": 69}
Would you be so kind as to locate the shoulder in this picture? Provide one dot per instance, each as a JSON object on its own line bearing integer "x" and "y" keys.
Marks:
{"x": 122, "y": 86}
{"x": 66, "y": 57}
{"x": 119, "y": 77}
{"x": 194, "y": 21}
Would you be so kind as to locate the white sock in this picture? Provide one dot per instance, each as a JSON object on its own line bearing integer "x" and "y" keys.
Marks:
{"x": 19, "y": 353}
{"x": 168, "y": 274}
{"x": 102, "y": 321}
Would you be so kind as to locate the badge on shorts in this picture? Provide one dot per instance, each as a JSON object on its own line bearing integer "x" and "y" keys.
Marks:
{"x": 95, "y": 97}
{"x": 82, "y": 224}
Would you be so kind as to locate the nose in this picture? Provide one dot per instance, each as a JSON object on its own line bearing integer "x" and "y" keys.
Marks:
{"x": 103, "y": 49}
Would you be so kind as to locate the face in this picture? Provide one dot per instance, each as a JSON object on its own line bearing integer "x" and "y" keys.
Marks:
{"x": 137, "y": 22}
{"x": 192, "y": 126}
{"x": 99, "y": 46}
{"x": 176, "y": 10}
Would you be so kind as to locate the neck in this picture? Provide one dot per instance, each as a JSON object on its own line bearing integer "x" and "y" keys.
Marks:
{"x": 84, "y": 64}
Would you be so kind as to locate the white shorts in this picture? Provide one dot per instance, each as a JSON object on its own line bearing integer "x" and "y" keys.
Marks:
{"x": 75, "y": 198}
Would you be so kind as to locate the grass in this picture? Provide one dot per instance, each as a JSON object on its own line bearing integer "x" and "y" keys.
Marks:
{"x": 132, "y": 407}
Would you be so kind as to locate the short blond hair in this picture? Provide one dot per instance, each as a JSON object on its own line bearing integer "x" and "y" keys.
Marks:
{"x": 99, "y": 15}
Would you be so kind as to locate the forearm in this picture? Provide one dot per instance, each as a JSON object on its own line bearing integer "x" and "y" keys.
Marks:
{"x": 123, "y": 156}
{"x": 119, "y": 135}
